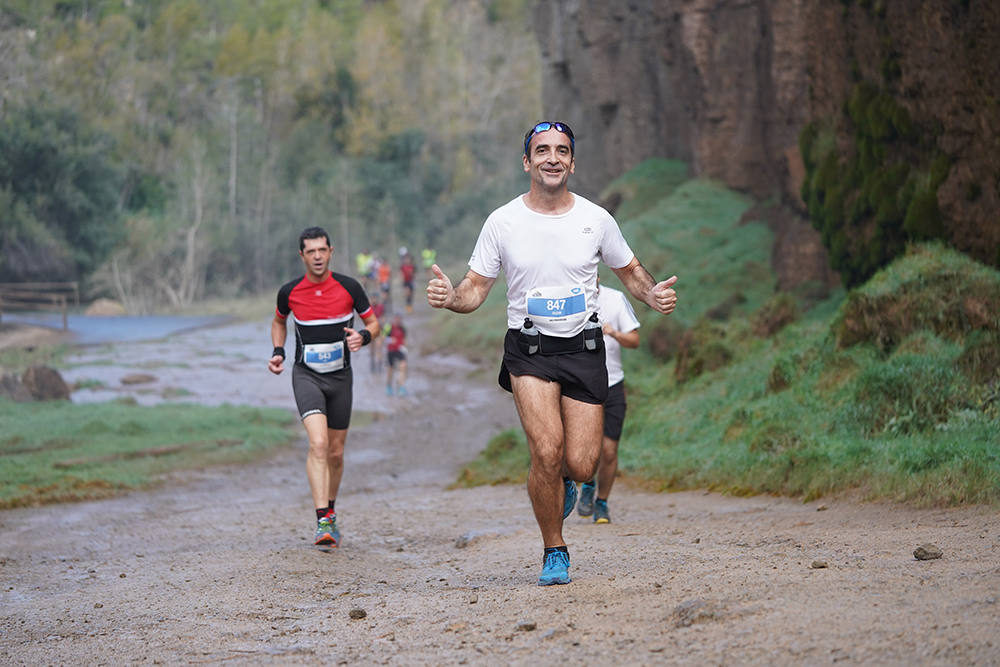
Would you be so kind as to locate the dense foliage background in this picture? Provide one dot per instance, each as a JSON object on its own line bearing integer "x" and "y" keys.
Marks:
{"x": 165, "y": 151}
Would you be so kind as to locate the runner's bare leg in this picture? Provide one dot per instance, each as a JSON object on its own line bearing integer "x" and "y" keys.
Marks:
{"x": 537, "y": 403}
{"x": 317, "y": 469}
{"x": 608, "y": 468}
{"x": 325, "y": 462}
{"x": 583, "y": 427}
{"x": 335, "y": 460}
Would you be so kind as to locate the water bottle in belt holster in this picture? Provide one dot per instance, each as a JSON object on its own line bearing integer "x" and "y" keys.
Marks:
{"x": 591, "y": 334}
{"x": 528, "y": 337}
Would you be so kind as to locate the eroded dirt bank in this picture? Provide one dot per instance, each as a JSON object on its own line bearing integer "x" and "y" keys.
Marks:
{"x": 216, "y": 565}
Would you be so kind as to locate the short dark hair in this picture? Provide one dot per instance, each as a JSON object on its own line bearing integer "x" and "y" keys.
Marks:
{"x": 312, "y": 233}
{"x": 545, "y": 125}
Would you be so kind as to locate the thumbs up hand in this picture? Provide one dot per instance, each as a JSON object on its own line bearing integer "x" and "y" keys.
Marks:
{"x": 664, "y": 296}
{"x": 439, "y": 288}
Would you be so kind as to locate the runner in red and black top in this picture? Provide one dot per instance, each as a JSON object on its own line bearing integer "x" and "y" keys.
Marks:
{"x": 395, "y": 345}
{"x": 407, "y": 269}
{"x": 324, "y": 304}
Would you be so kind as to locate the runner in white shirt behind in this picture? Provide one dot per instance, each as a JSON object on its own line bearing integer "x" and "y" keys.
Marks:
{"x": 548, "y": 242}
{"x": 621, "y": 329}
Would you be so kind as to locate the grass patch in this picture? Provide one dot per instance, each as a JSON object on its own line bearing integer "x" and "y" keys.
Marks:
{"x": 804, "y": 416}
{"x": 16, "y": 360}
{"x": 641, "y": 188}
{"x": 695, "y": 232}
{"x": 59, "y": 452}
{"x": 504, "y": 461}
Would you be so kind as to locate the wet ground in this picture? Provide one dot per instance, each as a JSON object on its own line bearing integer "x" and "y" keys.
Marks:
{"x": 217, "y": 566}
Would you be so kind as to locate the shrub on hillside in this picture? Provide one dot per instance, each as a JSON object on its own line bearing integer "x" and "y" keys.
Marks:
{"x": 701, "y": 349}
{"x": 780, "y": 311}
{"x": 931, "y": 288}
{"x": 907, "y": 393}
{"x": 664, "y": 337}
{"x": 980, "y": 359}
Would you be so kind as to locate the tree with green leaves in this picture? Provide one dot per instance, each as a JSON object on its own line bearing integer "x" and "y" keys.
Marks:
{"x": 60, "y": 188}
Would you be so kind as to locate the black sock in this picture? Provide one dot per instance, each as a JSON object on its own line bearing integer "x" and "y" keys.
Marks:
{"x": 320, "y": 512}
{"x": 591, "y": 482}
{"x": 603, "y": 500}
{"x": 563, "y": 549}
{"x": 330, "y": 506}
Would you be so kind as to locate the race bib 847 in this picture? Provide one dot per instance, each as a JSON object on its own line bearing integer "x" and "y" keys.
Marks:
{"x": 557, "y": 310}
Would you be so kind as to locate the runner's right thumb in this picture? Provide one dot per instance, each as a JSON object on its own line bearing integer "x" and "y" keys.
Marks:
{"x": 438, "y": 273}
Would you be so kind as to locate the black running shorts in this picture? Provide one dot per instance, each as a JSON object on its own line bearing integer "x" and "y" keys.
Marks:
{"x": 581, "y": 375}
{"x": 396, "y": 356}
{"x": 330, "y": 394}
{"x": 614, "y": 411}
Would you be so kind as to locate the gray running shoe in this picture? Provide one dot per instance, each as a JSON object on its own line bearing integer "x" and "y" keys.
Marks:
{"x": 601, "y": 511}
{"x": 327, "y": 533}
{"x": 585, "y": 506}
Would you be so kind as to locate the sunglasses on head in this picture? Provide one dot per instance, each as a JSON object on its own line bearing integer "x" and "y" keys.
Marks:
{"x": 545, "y": 126}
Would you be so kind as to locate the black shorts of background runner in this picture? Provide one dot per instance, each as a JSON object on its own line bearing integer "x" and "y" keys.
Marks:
{"x": 328, "y": 393}
{"x": 582, "y": 376}
{"x": 395, "y": 356}
{"x": 614, "y": 411}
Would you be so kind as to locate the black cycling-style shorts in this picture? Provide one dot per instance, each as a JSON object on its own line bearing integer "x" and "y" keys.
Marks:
{"x": 396, "y": 356}
{"x": 614, "y": 411}
{"x": 330, "y": 394}
{"x": 581, "y": 375}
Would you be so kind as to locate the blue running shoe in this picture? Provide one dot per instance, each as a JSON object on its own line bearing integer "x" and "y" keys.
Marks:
{"x": 569, "y": 498}
{"x": 327, "y": 533}
{"x": 586, "y": 505}
{"x": 555, "y": 569}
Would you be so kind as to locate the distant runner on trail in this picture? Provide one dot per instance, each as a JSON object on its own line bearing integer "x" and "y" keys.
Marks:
{"x": 407, "y": 271}
{"x": 549, "y": 242}
{"x": 427, "y": 257}
{"x": 395, "y": 345}
{"x": 621, "y": 329}
{"x": 323, "y": 303}
{"x": 384, "y": 273}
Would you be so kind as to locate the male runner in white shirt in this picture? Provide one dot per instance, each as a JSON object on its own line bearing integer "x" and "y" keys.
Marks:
{"x": 549, "y": 242}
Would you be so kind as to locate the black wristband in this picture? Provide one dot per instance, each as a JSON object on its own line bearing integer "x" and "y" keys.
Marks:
{"x": 366, "y": 337}
{"x": 278, "y": 352}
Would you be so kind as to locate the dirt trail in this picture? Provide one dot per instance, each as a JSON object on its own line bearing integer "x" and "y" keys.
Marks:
{"x": 217, "y": 565}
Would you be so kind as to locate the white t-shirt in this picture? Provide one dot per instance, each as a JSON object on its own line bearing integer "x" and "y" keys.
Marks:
{"x": 616, "y": 310}
{"x": 550, "y": 261}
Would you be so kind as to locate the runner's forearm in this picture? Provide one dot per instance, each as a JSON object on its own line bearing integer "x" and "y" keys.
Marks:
{"x": 279, "y": 331}
{"x": 469, "y": 294}
{"x": 373, "y": 326}
{"x": 628, "y": 339}
{"x": 638, "y": 281}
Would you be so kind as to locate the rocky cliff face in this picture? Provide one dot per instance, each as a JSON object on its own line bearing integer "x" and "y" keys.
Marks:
{"x": 728, "y": 85}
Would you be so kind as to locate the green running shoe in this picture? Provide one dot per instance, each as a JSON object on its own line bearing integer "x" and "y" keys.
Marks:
{"x": 601, "y": 511}
{"x": 555, "y": 569}
{"x": 327, "y": 533}
{"x": 569, "y": 497}
{"x": 586, "y": 505}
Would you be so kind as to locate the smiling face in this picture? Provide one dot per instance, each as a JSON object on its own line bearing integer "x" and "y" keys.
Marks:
{"x": 549, "y": 160}
{"x": 315, "y": 255}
